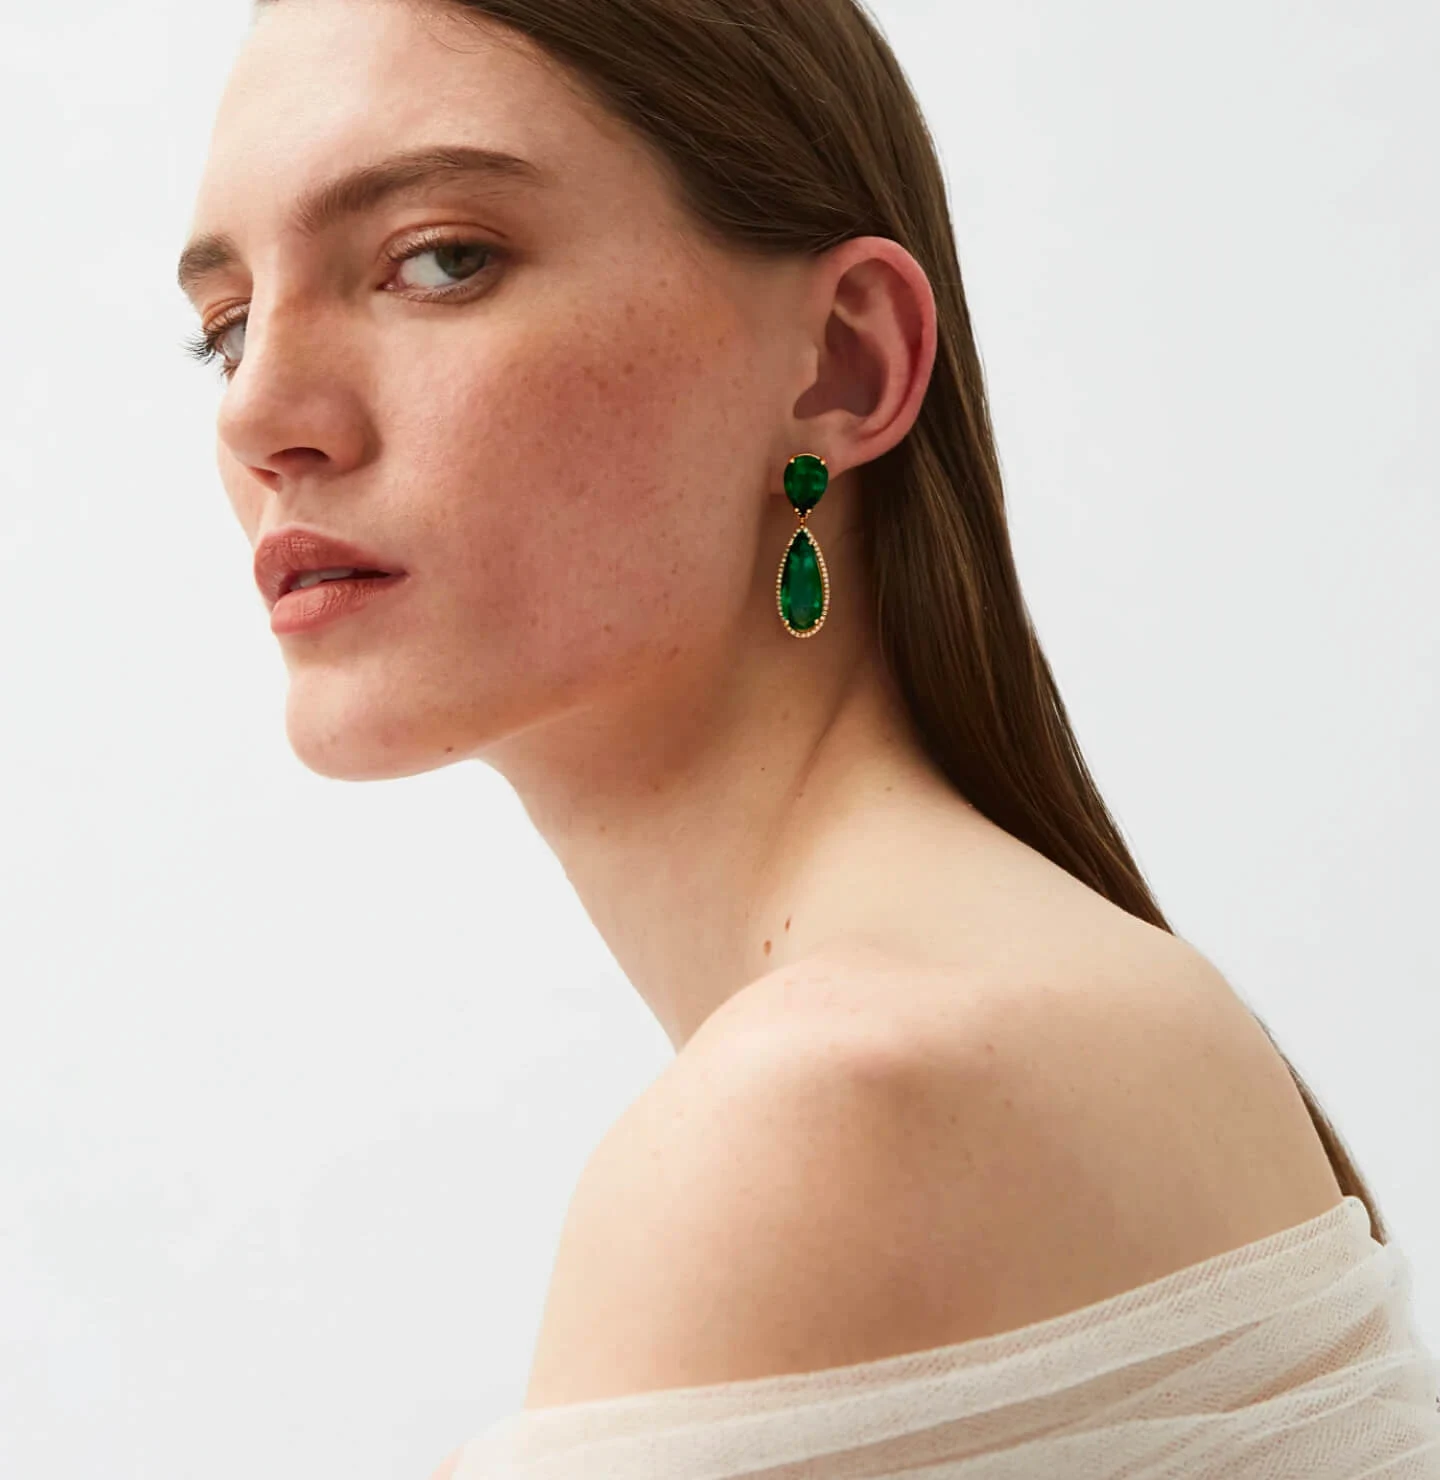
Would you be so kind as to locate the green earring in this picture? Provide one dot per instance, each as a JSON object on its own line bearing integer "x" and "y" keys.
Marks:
{"x": 802, "y": 589}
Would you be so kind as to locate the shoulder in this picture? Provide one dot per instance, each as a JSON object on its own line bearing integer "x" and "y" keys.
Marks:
{"x": 713, "y": 1232}
{"x": 845, "y": 1174}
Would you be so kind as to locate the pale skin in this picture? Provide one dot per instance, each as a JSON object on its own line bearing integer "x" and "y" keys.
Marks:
{"x": 580, "y": 464}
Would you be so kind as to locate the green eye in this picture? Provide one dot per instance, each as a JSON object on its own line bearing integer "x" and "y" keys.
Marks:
{"x": 205, "y": 345}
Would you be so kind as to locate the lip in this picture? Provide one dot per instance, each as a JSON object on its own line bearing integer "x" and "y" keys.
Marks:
{"x": 322, "y": 606}
{"x": 289, "y": 552}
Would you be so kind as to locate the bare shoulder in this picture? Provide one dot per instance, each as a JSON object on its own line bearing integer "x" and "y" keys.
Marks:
{"x": 877, "y": 1158}
{"x": 1154, "y": 1119}
{"x": 1130, "y": 1057}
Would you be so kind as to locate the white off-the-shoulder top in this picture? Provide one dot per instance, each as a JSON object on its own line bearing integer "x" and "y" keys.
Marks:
{"x": 1295, "y": 1356}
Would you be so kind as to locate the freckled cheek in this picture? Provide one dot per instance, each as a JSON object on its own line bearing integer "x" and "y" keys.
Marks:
{"x": 591, "y": 477}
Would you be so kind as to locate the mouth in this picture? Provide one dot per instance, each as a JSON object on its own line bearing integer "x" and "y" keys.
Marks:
{"x": 297, "y": 558}
{"x": 314, "y": 608}
{"x": 307, "y": 580}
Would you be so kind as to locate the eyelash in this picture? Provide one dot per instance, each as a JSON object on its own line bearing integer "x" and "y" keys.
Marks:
{"x": 205, "y": 345}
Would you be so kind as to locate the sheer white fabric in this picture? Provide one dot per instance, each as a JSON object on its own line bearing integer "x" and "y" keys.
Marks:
{"x": 1295, "y": 1356}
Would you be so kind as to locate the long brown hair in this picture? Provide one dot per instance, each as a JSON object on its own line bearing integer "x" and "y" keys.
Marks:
{"x": 788, "y": 126}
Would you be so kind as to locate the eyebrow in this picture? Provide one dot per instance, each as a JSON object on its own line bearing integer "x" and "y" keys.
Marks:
{"x": 361, "y": 189}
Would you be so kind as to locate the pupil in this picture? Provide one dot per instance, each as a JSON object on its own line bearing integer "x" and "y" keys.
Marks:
{"x": 459, "y": 252}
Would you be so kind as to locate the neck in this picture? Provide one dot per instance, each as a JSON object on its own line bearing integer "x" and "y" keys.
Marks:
{"x": 726, "y": 830}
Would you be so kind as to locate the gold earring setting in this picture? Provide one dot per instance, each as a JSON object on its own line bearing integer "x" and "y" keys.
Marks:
{"x": 802, "y": 588}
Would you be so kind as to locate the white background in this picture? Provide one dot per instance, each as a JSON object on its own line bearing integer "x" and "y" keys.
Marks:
{"x": 296, "y": 1076}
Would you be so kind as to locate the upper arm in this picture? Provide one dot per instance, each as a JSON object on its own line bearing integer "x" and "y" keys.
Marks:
{"x": 802, "y": 1211}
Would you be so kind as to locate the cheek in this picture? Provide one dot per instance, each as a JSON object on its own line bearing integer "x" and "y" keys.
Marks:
{"x": 599, "y": 509}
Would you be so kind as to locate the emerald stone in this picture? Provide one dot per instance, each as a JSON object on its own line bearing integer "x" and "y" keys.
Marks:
{"x": 806, "y": 480}
{"x": 802, "y": 592}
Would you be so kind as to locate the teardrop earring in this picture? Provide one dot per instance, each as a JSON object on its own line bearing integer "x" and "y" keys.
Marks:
{"x": 802, "y": 589}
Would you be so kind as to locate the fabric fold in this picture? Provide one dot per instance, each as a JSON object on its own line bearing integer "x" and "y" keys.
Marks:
{"x": 1294, "y": 1356}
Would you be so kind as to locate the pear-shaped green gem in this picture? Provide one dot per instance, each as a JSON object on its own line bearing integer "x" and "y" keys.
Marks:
{"x": 802, "y": 592}
{"x": 806, "y": 479}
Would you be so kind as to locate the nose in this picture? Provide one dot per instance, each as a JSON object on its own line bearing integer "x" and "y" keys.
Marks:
{"x": 289, "y": 410}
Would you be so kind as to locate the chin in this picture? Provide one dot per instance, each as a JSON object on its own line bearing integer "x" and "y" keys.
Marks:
{"x": 360, "y": 746}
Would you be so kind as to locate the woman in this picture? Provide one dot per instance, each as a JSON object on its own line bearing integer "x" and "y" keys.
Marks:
{"x": 614, "y": 401}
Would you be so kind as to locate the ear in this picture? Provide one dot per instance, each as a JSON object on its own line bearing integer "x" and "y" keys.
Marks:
{"x": 875, "y": 345}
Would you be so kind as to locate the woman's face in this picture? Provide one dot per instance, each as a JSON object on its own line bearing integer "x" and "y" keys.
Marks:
{"x": 564, "y": 415}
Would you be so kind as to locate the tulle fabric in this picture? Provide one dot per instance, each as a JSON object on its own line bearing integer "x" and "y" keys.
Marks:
{"x": 1295, "y": 1356}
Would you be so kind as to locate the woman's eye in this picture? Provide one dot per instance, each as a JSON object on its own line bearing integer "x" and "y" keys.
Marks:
{"x": 456, "y": 262}
{"x": 220, "y": 337}
{"x": 455, "y": 259}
